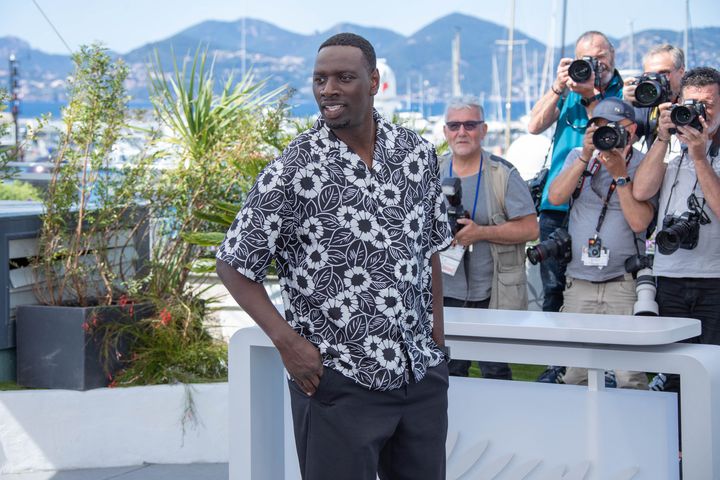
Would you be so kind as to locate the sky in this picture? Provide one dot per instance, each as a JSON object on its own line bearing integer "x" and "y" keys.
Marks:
{"x": 123, "y": 25}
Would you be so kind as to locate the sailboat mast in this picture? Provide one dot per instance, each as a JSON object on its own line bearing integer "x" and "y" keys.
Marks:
{"x": 508, "y": 97}
{"x": 456, "y": 90}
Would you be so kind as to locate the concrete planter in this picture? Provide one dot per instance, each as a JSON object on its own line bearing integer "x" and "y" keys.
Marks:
{"x": 57, "y": 349}
{"x": 112, "y": 427}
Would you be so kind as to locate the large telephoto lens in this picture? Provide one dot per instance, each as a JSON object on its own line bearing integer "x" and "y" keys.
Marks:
{"x": 648, "y": 93}
{"x": 580, "y": 70}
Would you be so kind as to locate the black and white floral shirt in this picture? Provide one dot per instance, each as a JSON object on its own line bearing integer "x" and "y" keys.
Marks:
{"x": 352, "y": 247}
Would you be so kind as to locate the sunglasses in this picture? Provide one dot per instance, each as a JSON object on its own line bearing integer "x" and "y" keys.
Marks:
{"x": 470, "y": 125}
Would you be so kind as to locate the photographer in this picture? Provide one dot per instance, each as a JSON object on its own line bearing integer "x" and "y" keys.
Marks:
{"x": 570, "y": 103}
{"x": 604, "y": 220}
{"x": 687, "y": 257}
{"x": 664, "y": 67}
{"x": 489, "y": 237}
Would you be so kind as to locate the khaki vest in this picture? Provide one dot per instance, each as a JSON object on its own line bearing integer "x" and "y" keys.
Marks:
{"x": 509, "y": 284}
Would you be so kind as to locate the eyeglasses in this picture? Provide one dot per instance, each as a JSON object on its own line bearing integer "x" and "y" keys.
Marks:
{"x": 469, "y": 125}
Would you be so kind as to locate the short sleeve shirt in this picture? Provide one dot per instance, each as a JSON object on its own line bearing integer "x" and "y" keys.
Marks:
{"x": 569, "y": 132}
{"x": 473, "y": 279}
{"x": 615, "y": 233}
{"x": 352, "y": 247}
{"x": 704, "y": 260}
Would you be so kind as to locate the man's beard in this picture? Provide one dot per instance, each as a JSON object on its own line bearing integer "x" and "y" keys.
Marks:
{"x": 337, "y": 124}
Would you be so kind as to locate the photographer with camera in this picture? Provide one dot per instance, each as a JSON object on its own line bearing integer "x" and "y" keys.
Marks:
{"x": 664, "y": 67}
{"x": 687, "y": 256}
{"x": 568, "y": 104}
{"x": 604, "y": 220}
{"x": 492, "y": 216}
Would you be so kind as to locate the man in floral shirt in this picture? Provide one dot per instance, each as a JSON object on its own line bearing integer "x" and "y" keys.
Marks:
{"x": 352, "y": 214}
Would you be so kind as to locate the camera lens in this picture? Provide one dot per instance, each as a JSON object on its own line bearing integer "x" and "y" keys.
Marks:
{"x": 669, "y": 239}
{"x": 647, "y": 93}
{"x": 682, "y": 115}
{"x": 606, "y": 138}
{"x": 580, "y": 70}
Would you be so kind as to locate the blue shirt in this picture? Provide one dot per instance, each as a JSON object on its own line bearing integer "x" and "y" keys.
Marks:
{"x": 569, "y": 133}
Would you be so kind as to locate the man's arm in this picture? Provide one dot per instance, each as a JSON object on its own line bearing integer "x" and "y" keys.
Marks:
{"x": 545, "y": 112}
{"x": 301, "y": 358}
{"x": 651, "y": 171}
{"x": 517, "y": 230}
{"x": 708, "y": 179}
{"x": 562, "y": 188}
{"x": 438, "y": 331}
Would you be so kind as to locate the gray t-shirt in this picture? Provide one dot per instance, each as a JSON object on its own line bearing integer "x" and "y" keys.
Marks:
{"x": 704, "y": 260}
{"x": 473, "y": 279}
{"x": 615, "y": 233}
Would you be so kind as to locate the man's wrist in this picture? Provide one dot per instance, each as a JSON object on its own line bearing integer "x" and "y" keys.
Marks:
{"x": 557, "y": 91}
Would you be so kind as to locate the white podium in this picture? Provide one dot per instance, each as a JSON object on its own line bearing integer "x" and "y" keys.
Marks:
{"x": 524, "y": 430}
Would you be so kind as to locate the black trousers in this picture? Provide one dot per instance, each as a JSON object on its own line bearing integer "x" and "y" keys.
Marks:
{"x": 692, "y": 298}
{"x": 345, "y": 431}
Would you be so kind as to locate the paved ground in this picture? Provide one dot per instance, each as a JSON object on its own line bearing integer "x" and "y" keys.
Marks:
{"x": 193, "y": 471}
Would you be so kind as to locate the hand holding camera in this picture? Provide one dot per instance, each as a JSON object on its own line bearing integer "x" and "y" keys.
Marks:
{"x": 452, "y": 189}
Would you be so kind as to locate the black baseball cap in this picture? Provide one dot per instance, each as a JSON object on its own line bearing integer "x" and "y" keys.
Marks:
{"x": 613, "y": 109}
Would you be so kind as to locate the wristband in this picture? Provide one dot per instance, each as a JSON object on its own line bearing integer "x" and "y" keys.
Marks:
{"x": 559, "y": 94}
{"x": 583, "y": 160}
{"x": 664, "y": 140}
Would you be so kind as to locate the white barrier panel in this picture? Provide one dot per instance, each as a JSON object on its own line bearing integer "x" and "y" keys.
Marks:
{"x": 523, "y": 430}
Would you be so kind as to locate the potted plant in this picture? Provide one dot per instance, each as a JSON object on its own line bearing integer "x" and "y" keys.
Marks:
{"x": 92, "y": 240}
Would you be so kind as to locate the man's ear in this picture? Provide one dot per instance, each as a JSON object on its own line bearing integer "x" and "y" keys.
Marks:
{"x": 374, "y": 82}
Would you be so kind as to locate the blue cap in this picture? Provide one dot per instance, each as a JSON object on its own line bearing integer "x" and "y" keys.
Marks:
{"x": 613, "y": 109}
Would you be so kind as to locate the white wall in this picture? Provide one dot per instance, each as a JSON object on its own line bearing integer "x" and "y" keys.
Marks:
{"x": 61, "y": 429}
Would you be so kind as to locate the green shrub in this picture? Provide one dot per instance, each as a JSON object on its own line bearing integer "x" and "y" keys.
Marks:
{"x": 18, "y": 191}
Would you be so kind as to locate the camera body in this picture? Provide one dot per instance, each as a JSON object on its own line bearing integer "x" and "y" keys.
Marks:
{"x": 536, "y": 185}
{"x": 687, "y": 113}
{"x": 678, "y": 232}
{"x": 641, "y": 267}
{"x": 557, "y": 246}
{"x": 612, "y": 135}
{"x": 581, "y": 70}
{"x": 452, "y": 189}
{"x": 652, "y": 90}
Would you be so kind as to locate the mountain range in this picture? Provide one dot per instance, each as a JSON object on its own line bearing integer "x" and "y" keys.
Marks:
{"x": 286, "y": 58}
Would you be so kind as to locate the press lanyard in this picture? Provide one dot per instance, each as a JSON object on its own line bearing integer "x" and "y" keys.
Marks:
{"x": 611, "y": 190}
{"x": 477, "y": 185}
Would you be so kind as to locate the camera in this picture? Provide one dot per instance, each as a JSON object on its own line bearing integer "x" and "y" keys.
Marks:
{"x": 678, "y": 232}
{"x": 652, "y": 90}
{"x": 581, "y": 70}
{"x": 687, "y": 113}
{"x": 536, "y": 185}
{"x": 557, "y": 246}
{"x": 452, "y": 189}
{"x": 612, "y": 135}
{"x": 641, "y": 267}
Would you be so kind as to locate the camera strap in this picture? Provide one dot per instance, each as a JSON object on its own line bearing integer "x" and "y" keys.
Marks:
{"x": 610, "y": 192}
{"x": 477, "y": 185}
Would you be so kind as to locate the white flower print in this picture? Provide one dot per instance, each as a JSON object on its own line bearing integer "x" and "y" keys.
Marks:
{"x": 413, "y": 167}
{"x": 407, "y": 270}
{"x": 389, "y": 194}
{"x": 245, "y": 217}
{"x": 381, "y": 238}
{"x": 388, "y": 301}
{"x": 309, "y": 181}
{"x": 412, "y": 225}
{"x": 268, "y": 179}
{"x": 358, "y": 175}
{"x": 371, "y": 345}
{"x": 337, "y": 312}
{"x": 313, "y": 228}
{"x": 357, "y": 279}
{"x": 346, "y": 215}
{"x": 390, "y": 357}
{"x": 316, "y": 256}
{"x": 302, "y": 281}
{"x": 364, "y": 226}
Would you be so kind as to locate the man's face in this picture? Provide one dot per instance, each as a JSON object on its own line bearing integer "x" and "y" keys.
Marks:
{"x": 464, "y": 143}
{"x": 710, "y": 96}
{"x": 343, "y": 86}
{"x": 598, "y": 48}
{"x": 663, "y": 63}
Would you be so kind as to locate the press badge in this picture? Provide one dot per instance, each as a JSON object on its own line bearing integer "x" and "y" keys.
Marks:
{"x": 594, "y": 254}
{"x": 450, "y": 259}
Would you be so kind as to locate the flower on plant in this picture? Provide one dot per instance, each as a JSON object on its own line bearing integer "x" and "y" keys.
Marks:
{"x": 165, "y": 317}
{"x": 86, "y": 326}
{"x": 124, "y": 301}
